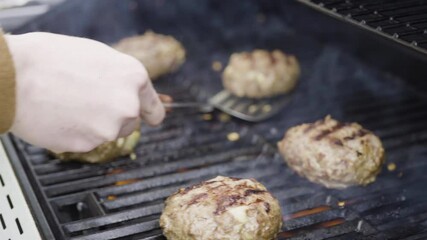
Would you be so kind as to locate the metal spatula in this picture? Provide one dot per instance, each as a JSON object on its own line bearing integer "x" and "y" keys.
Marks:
{"x": 252, "y": 110}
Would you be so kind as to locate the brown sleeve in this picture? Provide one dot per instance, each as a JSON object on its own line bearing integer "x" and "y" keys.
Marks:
{"x": 7, "y": 87}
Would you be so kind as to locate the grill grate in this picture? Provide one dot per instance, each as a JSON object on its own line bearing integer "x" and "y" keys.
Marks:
{"x": 403, "y": 21}
{"x": 124, "y": 199}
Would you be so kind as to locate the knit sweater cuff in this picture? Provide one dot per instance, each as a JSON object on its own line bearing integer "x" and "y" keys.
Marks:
{"x": 7, "y": 87}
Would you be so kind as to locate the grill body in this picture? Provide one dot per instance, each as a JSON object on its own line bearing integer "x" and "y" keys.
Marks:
{"x": 124, "y": 199}
{"x": 16, "y": 220}
{"x": 387, "y": 34}
{"x": 402, "y": 21}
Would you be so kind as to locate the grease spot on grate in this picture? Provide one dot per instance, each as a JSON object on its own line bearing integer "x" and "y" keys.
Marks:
{"x": 223, "y": 117}
{"x": 233, "y": 136}
{"x": 307, "y": 212}
{"x": 391, "y": 167}
{"x": 216, "y": 66}
{"x": 207, "y": 117}
{"x": 266, "y": 108}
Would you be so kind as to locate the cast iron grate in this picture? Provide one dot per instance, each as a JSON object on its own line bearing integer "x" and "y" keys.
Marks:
{"x": 404, "y": 21}
{"x": 124, "y": 199}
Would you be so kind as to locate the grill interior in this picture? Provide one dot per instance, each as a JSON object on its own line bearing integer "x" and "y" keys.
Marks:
{"x": 124, "y": 199}
{"x": 404, "y": 21}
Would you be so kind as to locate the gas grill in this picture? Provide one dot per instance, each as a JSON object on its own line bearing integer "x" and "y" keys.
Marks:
{"x": 124, "y": 199}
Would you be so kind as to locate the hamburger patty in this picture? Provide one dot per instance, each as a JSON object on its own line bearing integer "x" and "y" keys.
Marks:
{"x": 334, "y": 154}
{"x": 105, "y": 152}
{"x": 261, "y": 74}
{"x": 222, "y": 208}
{"x": 160, "y": 54}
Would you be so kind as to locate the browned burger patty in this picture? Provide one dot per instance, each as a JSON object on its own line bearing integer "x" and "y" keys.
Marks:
{"x": 160, "y": 54}
{"x": 222, "y": 208}
{"x": 105, "y": 152}
{"x": 261, "y": 74}
{"x": 334, "y": 154}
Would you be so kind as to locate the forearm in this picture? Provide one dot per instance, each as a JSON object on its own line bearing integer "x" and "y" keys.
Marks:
{"x": 7, "y": 87}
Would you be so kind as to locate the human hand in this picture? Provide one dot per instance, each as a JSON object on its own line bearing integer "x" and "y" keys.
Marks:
{"x": 74, "y": 94}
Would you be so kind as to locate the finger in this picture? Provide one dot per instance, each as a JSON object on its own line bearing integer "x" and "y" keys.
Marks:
{"x": 129, "y": 126}
{"x": 166, "y": 99}
{"x": 152, "y": 110}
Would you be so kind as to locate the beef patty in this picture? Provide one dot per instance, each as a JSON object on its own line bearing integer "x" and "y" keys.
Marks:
{"x": 160, "y": 54}
{"x": 260, "y": 74}
{"x": 334, "y": 154}
{"x": 222, "y": 208}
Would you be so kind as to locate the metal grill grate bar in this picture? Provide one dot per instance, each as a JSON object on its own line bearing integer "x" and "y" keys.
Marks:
{"x": 113, "y": 218}
{"x": 121, "y": 231}
{"x": 79, "y": 185}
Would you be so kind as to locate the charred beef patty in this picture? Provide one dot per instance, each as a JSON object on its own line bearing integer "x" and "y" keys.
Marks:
{"x": 222, "y": 208}
{"x": 260, "y": 74}
{"x": 334, "y": 154}
{"x": 105, "y": 152}
{"x": 160, "y": 54}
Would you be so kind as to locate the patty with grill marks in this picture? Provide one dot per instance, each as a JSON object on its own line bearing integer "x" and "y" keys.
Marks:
{"x": 334, "y": 154}
{"x": 260, "y": 74}
{"x": 222, "y": 208}
{"x": 160, "y": 54}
